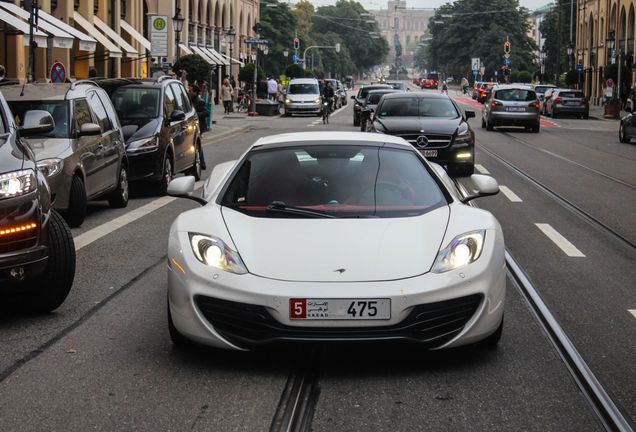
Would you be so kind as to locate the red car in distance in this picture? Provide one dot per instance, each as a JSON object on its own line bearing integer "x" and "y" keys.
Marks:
{"x": 431, "y": 81}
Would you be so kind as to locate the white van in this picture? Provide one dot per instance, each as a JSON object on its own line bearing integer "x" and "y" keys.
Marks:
{"x": 302, "y": 97}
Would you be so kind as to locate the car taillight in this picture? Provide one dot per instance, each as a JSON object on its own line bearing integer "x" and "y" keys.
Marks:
{"x": 535, "y": 105}
{"x": 495, "y": 104}
{"x": 483, "y": 94}
{"x": 558, "y": 100}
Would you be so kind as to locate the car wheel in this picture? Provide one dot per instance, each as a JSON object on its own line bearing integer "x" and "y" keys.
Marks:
{"x": 48, "y": 292}
{"x": 76, "y": 212}
{"x": 553, "y": 114}
{"x": 483, "y": 123}
{"x": 493, "y": 340}
{"x": 462, "y": 170}
{"x": 166, "y": 176}
{"x": 178, "y": 339}
{"x": 536, "y": 128}
{"x": 195, "y": 170}
{"x": 119, "y": 197}
{"x": 356, "y": 120}
{"x": 621, "y": 134}
{"x": 363, "y": 126}
{"x": 489, "y": 126}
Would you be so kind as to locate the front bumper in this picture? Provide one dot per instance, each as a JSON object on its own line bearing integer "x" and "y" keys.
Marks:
{"x": 448, "y": 155}
{"x": 145, "y": 166}
{"x": 232, "y": 311}
{"x": 60, "y": 185}
{"x": 303, "y": 108}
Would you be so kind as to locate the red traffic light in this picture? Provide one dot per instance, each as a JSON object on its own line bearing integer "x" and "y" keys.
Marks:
{"x": 296, "y": 43}
{"x": 506, "y": 47}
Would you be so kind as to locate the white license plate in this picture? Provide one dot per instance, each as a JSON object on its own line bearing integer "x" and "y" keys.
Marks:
{"x": 429, "y": 153}
{"x": 516, "y": 109}
{"x": 571, "y": 103}
{"x": 339, "y": 309}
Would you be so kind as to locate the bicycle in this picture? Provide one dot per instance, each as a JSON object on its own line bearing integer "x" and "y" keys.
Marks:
{"x": 326, "y": 109}
{"x": 243, "y": 103}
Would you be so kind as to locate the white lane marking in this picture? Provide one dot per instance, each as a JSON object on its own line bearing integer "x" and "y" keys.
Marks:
{"x": 564, "y": 244}
{"x": 632, "y": 311}
{"x": 513, "y": 197}
{"x": 102, "y": 230}
{"x": 481, "y": 169}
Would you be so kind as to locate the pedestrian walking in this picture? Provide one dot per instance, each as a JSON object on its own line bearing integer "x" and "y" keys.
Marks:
{"x": 226, "y": 95}
{"x": 202, "y": 113}
{"x": 272, "y": 88}
{"x": 280, "y": 95}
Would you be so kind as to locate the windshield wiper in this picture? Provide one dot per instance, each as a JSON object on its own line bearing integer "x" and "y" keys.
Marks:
{"x": 281, "y": 207}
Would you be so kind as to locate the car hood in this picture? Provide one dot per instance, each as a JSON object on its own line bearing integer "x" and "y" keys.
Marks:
{"x": 12, "y": 156}
{"x": 142, "y": 129}
{"x": 314, "y": 249}
{"x": 302, "y": 97}
{"x": 410, "y": 125}
{"x": 46, "y": 148}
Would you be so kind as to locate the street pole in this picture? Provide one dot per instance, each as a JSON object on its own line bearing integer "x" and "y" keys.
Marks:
{"x": 33, "y": 22}
{"x": 336, "y": 47}
{"x": 620, "y": 64}
{"x": 558, "y": 53}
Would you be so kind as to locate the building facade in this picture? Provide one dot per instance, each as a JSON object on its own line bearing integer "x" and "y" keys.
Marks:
{"x": 408, "y": 25}
{"x": 534, "y": 26}
{"x": 113, "y": 36}
{"x": 596, "y": 21}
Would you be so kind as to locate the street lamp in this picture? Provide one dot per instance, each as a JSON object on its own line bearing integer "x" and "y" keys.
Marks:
{"x": 230, "y": 37}
{"x": 285, "y": 52}
{"x": 177, "y": 21}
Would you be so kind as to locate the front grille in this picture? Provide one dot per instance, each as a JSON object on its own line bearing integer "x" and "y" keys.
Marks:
{"x": 18, "y": 241}
{"x": 435, "y": 141}
{"x": 432, "y": 324}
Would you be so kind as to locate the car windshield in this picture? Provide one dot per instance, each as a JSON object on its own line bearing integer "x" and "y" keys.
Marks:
{"x": 433, "y": 76}
{"x": 364, "y": 91}
{"x": 303, "y": 89}
{"x": 418, "y": 107}
{"x": 341, "y": 181}
{"x": 58, "y": 109}
{"x": 571, "y": 94}
{"x": 136, "y": 105}
{"x": 515, "y": 95}
{"x": 397, "y": 86}
{"x": 541, "y": 89}
{"x": 374, "y": 98}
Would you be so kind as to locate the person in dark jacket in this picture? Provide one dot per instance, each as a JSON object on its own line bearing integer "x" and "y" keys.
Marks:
{"x": 202, "y": 112}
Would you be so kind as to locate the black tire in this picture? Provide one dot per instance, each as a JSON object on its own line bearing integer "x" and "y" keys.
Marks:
{"x": 195, "y": 170}
{"x": 76, "y": 212}
{"x": 553, "y": 114}
{"x": 586, "y": 116}
{"x": 489, "y": 126}
{"x": 463, "y": 170}
{"x": 483, "y": 123}
{"x": 119, "y": 197}
{"x": 356, "y": 120}
{"x": 178, "y": 339}
{"x": 166, "y": 176}
{"x": 536, "y": 128}
{"x": 492, "y": 341}
{"x": 621, "y": 134}
{"x": 49, "y": 291}
{"x": 363, "y": 126}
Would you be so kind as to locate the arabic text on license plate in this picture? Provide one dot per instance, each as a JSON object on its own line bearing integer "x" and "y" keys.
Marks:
{"x": 430, "y": 153}
{"x": 339, "y": 309}
{"x": 516, "y": 109}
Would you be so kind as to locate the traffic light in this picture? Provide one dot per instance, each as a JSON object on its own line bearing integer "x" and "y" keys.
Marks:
{"x": 506, "y": 47}
{"x": 296, "y": 43}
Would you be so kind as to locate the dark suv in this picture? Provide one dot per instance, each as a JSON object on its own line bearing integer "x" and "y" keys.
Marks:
{"x": 83, "y": 156}
{"x": 161, "y": 129}
{"x": 37, "y": 254}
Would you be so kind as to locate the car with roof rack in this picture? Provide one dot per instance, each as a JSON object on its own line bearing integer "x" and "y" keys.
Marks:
{"x": 83, "y": 157}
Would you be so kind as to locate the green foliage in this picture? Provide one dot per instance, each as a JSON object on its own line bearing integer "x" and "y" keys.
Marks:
{"x": 197, "y": 68}
{"x": 611, "y": 71}
{"x": 524, "y": 77}
{"x": 514, "y": 76}
{"x": 571, "y": 77}
{"x": 555, "y": 27}
{"x": 296, "y": 71}
{"x": 246, "y": 73}
{"x": 277, "y": 22}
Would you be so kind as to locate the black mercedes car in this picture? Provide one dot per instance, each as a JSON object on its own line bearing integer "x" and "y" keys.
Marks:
{"x": 433, "y": 124}
{"x": 37, "y": 254}
{"x": 360, "y": 98}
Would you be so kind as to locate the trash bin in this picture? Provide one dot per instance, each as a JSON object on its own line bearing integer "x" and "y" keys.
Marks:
{"x": 266, "y": 107}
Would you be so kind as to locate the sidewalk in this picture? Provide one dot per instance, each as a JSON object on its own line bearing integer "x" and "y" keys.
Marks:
{"x": 225, "y": 125}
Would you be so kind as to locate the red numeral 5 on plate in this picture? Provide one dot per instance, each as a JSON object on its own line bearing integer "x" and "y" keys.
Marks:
{"x": 298, "y": 308}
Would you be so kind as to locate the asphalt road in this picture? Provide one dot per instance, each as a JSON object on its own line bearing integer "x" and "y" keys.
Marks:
{"x": 104, "y": 360}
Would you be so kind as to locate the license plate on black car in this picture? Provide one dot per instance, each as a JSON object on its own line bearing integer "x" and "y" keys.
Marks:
{"x": 429, "y": 153}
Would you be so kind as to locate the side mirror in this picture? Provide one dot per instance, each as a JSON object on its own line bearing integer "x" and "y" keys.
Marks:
{"x": 628, "y": 108}
{"x": 90, "y": 129}
{"x": 177, "y": 116}
{"x": 469, "y": 114}
{"x": 484, "y": 186}
{"x": 36, "y": 122}
{"x": 216, "y": 176}
{"x": 353, "y": 97}
{"x": 183, "y": 187}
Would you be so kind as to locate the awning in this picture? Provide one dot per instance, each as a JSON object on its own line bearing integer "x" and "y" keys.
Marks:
{"x": 86, "y": 43}
{"x": 135, "y": 34}
{"x": 61, "y": 39}
{"x": 22, "y": 27}
{"x": 185, "y": 49}
{"x": 108, "y": 45}
{"x": 203, "y": 54}
{"x": 130, "y": 51}
{"x": 235, "y": 61}
{"x": 216, "y": 56}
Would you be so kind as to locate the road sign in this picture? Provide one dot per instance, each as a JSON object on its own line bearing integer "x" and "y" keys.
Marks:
{"x": 507, "y": 62}
{"x": 58, "y": 73}
{"x": 475, "y": 63}
{"x": 296, "y": 58}
{"x": 158, "y": 36}
{"x": 254, "y": 41}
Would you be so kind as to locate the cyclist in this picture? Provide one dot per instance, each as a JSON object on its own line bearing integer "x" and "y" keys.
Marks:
{"x": 444, "y": 87}
{"x": 464, "y": 85}
{"x": 327, "y": 96}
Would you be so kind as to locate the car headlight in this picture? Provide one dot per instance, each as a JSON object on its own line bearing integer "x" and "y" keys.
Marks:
{"x": 143, "y": 145}
{"x": 318, "y": 101}
{"x": 50, "y": 167}
{"x": 17, "y": 183}
{"x": 462, "y": 250}
{"x": 463, "y": 136}
{"x": 288, "y": 101}
{"x": 214, "y": 252}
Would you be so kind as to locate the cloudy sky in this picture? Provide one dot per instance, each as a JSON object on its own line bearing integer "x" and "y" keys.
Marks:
{"x": 381, "y": 4}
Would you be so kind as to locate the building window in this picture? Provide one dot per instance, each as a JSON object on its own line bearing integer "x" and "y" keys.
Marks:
{"x": 53, "y": 4}
{"x": 76, "y": 4}
{"x": 95, "y": 7}
{"x": 122, "y": 9}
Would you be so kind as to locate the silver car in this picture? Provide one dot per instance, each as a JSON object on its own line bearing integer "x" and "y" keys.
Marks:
{"x": 83, "y": 157}
{"x": 511, "y": 105}
{"x": 303, "y": 97}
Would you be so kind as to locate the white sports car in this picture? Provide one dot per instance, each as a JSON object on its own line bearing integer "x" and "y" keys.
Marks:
{"x": 334, "y": 236}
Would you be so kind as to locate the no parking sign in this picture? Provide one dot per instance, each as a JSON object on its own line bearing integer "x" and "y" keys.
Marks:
{"x": 58, "y": 73}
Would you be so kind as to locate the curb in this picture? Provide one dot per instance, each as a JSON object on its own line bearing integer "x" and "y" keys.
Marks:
{"x": 226, "y": 134}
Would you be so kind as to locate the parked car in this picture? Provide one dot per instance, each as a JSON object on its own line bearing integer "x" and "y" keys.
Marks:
{"x": 83, "y": 157}
{"x": 361, "y": 97}
{"x": 293, "y": 196}
{"x": 510, "y": 105}
{"x": 546, "y": 96}
{"x": 540, "y": 90}
{"x": 339, "y": 91}
{"x": 627, "y": 127}
{"x": 37, "y": 254}
{"x": 303, "y": 97}
{"x": 370, "y": 104}
{"x": 433, "y": 124}
{"x": 161, "y": 129}
{"x": 567, "y": 102}
{"x": 416, "y": 81}
{"x": 484, "y": 91}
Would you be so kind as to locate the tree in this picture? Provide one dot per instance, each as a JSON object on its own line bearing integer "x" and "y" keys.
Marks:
{"x": 197, "y": 68}
{"x": 557, "y": 37}
{"x": 277, "y": 22}
{"x": 246, "y": 73}
{"x": 524, "y": 77}
{"x": 296, "y": 71}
